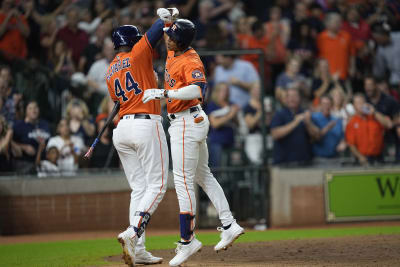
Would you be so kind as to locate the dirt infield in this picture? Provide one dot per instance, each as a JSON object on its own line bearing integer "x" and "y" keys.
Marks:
{"x": 380, "y": 250}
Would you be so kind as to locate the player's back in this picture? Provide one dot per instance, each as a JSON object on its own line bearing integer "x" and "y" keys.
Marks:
{"x": 181, "y": 71}
{"x": 129, "y": 74}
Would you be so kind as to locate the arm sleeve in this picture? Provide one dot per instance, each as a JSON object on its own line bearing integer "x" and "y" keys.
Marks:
{"x": 185, "y": 93}
{"x": 194, "y": 75}
{"x": 155, "y": 33}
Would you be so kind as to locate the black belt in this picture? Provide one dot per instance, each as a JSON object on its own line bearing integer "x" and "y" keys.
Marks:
{"x": 191, "y": 110}
{"x": 138, "y": 116}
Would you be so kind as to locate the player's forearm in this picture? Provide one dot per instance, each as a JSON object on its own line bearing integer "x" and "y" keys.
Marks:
{"x": 217, "y": 122}
{"x": 155, "y": 33}
{"x": 282, "y": 131}
{"x": 252, "y": 121}
{"x": 382, "y": 119}
{"x": 185, "y": 93}
{"x": 245, "y": 85}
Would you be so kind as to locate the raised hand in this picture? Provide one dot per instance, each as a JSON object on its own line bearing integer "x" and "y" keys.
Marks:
{"x": 168, "y": 15}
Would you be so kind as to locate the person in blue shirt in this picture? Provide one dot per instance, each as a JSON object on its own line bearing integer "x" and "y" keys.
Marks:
{"x": 292, "y": 130}
{"x": 331, "y": 135}
{"x": 28, "y": 133}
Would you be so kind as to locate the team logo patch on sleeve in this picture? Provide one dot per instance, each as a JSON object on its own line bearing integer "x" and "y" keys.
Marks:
{"x": 196, "y": 74}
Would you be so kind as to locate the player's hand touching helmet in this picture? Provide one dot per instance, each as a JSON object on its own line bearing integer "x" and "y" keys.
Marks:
{"x": 151, "y": 94}
{"x": 168, "y": 15}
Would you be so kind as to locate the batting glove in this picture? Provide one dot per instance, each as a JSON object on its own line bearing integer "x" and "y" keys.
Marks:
{"x": 168, "y": 15}
{"x": 152, "y": 94}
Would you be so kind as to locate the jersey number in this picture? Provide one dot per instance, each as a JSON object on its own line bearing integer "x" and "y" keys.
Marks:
{"x": 130, "y": 85}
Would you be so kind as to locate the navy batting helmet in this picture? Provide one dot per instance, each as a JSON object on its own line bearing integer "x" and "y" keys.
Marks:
{"x": 126, "y": 35}
{"x": 182, "y": 31}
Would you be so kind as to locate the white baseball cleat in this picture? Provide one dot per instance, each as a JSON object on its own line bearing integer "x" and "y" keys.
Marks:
{"x": 145, "y": 257}
{"x": 128, "y": 240}
{"x": 183, "y": 252}
{"x": 228, "y": 236}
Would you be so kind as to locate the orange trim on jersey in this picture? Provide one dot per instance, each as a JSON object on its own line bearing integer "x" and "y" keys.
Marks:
{"x": 162, "y": 168}
{"x": 183, "y": 163}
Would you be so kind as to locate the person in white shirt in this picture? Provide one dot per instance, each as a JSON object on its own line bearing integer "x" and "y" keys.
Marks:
{"x": 47, "y": 167}
{"x": 96, "y": 78}
{"x": 69, "y": 147}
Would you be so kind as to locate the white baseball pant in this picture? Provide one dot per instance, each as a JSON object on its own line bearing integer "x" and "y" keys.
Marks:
{"x": 190, "y": 164}
{"x": 143, "y": 151}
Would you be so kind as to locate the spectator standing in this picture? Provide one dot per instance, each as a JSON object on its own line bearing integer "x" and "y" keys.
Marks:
{"x": 323, "y": 82}
{"x": 302, "y": 45}
{"x": 335, "y": 46}
{"x": 341, "y": 108}
{"x": 365, "y": 132}
{"x": 221, "y": 113}
{"x": 74, "y": 38}
{"x": 77, "y": 114}
{"x": 69, "y": 148}
{"x": 6, "y": 135}
{"x": 252, "y": 116}
{"x": 27, "y": 134}
{"x": 239, "y": 74}
{"x": 358, "y": 28}
{"x": 292, "y": 130}
{"x": 331, "y": 135}
{"x": 382, "y": 102}
{"x": 96, "y": 78}
{"x": 291, "y": 78}
{"x": 387, "y": 58}
{"x": 278, "y": 26}
{"x": 11, "y": 98}
{"x": 93, "y": 50}
{"x": 60, "y": 60}
{"x": 14, "y": 30}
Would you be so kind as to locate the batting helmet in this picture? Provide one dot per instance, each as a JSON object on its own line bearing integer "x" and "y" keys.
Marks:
{"x": 182, "y": 31}
{"x": 126, "y": 35}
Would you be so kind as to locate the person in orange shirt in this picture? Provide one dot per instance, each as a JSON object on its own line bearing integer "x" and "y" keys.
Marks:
{"x": 185, "y": 84}
{"x": 14, "y": 30}
{"x": 365, "y": 131}
{"x": 139, "y": 137}
{"x": 336, "y": 47}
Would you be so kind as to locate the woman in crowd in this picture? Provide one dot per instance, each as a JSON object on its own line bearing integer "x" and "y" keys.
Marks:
{"x": 252, "y": 116}
{"x": 77, "y": 115}
{"x": 323, "y": 82}
{"x": 221, "y": 114}
{"x": 341, "y": 108}
{"x": 60, "y": 59}
{"x": 291, "y": 78}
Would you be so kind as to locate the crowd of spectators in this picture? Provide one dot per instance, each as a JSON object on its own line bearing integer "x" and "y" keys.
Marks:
{"x": 331, "y": 79}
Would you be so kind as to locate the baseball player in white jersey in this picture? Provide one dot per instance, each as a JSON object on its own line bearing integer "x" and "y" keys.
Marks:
{"x": 185, "y": 85}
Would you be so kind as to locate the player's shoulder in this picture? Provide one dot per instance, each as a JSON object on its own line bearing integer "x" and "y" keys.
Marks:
{"x": 192, "y": 58}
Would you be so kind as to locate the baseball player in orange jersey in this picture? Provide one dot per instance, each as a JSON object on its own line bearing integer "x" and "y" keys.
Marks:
{"x": 139, "y": 137}
{"x": 185, "y": 85}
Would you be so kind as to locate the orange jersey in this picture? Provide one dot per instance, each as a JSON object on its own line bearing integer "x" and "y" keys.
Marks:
{"x": 181, "y": 71}
{"x": 129, "y": 74}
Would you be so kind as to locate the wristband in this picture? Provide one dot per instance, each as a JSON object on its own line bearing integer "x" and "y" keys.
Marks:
{"x": 166, "y": 93}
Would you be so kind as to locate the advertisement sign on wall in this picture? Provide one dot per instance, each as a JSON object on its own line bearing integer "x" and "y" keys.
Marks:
{"x": 362, "y": 195}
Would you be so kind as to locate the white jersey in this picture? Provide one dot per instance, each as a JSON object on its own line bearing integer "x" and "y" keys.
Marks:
{"x": 66, "y": 161}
